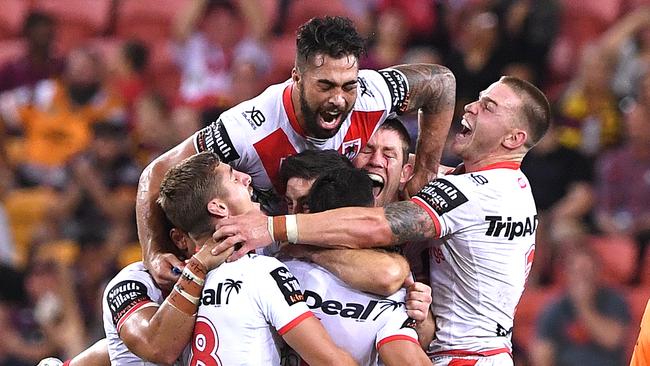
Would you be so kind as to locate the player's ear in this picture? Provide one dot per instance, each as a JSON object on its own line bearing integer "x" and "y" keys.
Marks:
{"x": 515, "y": 139}
{"x": 179, "y": 238}
{"x": 406, "y": 174}
{"x": 218, "y": 208}
{"x": 295, "y": 75}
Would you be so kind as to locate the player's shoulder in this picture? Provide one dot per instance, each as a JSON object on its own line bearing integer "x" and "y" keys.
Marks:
{"x": 263, "y": 263}
{"x": 135, "y": 272}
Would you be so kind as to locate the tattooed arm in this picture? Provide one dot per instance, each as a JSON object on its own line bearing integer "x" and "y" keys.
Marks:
{"x": 432, "y": 93}
{"x": 355, "y": 227}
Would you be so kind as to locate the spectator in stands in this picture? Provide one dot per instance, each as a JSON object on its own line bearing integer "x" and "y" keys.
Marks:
{"x": 211, "y": 38}
{"x": 587, "y": 326}
{"x": 42, "y": 318}
{"x": 623, "y": 179}
{"x": 129, "y": 79}
{"x": 627, "y": 44}
{"x": 40, "y": 61}
{"x": 386, "y": 45}
{"x": 589, "y": 119}
{"x": 56, "y": 115}
{"x": 562, "y": 184}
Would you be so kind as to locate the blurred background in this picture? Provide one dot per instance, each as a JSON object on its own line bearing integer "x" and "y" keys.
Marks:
{"x": 92, "y": 90}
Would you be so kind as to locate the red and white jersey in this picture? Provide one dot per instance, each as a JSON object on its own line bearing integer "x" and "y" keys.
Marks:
{"x": 130, "y": 290}
{"x": 257, "y": 135}
{"x": 487, "y": 221}
{"x": 244, "y": 306}
{"x": 358, "y": 322}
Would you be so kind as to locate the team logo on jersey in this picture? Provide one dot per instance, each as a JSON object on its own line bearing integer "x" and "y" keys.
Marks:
{"x": 409, "y": 323}
{"x": 398, "y": 87}
{"x": 363, "y": 87}
{"x": 255, "y": 117}
{"x": 503, "y": 332}
{"x": 215, "y": 138}
{"x": 221, "y": 293}
{"x": 350, "y": 149}
{"x": 124, "y": 296}
{"x": 352, "y": 310}
{"x": 442, "y": 196}
{"x": 498, "y": 227}
{"x": 288, "y": 285}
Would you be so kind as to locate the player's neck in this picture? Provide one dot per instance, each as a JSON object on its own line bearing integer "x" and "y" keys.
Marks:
{"x": 473, "y": 165}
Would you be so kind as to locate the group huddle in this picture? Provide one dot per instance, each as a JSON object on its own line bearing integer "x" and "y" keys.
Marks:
{"x": 278, "y": 240}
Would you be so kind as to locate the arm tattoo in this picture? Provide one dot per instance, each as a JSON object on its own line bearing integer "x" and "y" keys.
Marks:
{"x": 409, "y": 222}
{"x": 431, "y": 87}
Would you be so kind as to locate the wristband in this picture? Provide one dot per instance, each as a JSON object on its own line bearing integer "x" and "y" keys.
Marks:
{"x": 280, "y": 228}
{"x": 292, "y": 229}
{"x": 196, "y": 267}
{"x": 269, "y": 226}
{"x": 189, "y": 275}
{"x": 193, "y": 299}
{"x": 178, "y": 302}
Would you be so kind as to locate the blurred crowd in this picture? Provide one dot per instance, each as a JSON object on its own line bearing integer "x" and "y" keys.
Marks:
{"x": 89, "y": 95}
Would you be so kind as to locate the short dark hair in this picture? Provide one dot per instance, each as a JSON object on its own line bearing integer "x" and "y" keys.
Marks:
{"x": 35, "y": 19}
{"x": 535, "y": 108}
{"x": 186, "y": 190}
{"x": 333, "y": 36}
{"x": 310, "y": 164}
{"x": 394, "y": 124}
{"x": 341, "y": 188}
{"x": 137, "y": 55}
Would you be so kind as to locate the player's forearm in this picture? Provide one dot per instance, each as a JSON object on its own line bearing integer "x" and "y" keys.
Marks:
{"x": 402, "y": 352}
{"x": 366, "y": 270}
{"x": 350, "y": 227}
{"x": 426, "y": 331}
{"x": 432, "y": 92}
{"x": 95, "y": 355}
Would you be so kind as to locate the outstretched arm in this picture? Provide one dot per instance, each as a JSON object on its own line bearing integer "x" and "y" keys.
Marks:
{"x": 432, "y": 93}
{"x": 157, "y": 248}
{"x": 352, "y": 227}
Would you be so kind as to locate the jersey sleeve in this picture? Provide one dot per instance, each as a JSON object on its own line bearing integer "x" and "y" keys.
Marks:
{"x": 385, "y": 89}
{"x": 399, "y": 327}
{"x": 447, "y": 204}
{"x": 281, "y": 298}
{"x": 126, "y": 295}
{"x": 226, "y": 138}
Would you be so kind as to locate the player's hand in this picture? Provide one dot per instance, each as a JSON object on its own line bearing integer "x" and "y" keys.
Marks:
{"x": 209, "y": 260}
{"x": 165, "y": 269}
{"x": 417, "y": 182}
{"x": 418, "y": 299}
{"x": 248, "y": 230}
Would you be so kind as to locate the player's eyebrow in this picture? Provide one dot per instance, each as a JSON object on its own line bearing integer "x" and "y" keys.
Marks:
{"x": 331, "y": 83}
{"x": 484, "y": 97}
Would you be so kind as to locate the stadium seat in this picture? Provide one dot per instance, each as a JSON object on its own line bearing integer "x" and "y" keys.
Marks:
{"x": 77, "y": 20}
{"x": 532, "y": 303}
{"x": 10, "y": 49}
{"x": 26, "y": 209}
{"x": 62, "y": 251}
{"x": 618, "y": 257}
{"x": 12, "y": 17}
{"x": 147, "y": 20}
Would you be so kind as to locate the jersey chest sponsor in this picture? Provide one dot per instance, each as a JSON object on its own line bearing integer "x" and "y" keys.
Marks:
{"x": 369, "y": 311}
{"x": 221, "y": 293}
{"x": 510, "y": 229}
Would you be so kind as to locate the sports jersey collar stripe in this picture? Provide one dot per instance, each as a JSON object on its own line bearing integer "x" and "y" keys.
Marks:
{"x": 461, "y": 352}
{"x": 138, "y": 306}
{"x": 288, "y": 108}
{"x": 436, "y": 223}
{"x": 292, "y": 324}
{"x": 502, "y": 165}
{"x": 397, "y": 337}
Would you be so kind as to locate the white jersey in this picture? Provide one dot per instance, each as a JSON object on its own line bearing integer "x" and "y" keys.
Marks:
{"x": 244, "y": 306}
{"x": 358, "y": 322}
{"x": 258, "y": 134}
{"x": 130, "y": 290}
{"x": 487, "y": 221}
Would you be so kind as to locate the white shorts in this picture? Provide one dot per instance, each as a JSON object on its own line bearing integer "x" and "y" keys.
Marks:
{"x": 501, "y": 359}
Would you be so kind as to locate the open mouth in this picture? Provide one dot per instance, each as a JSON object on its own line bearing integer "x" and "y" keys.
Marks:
{"x": 377, "y": 183}
{"x": 330, "y": 119}
{"x": 466, "y": 128}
